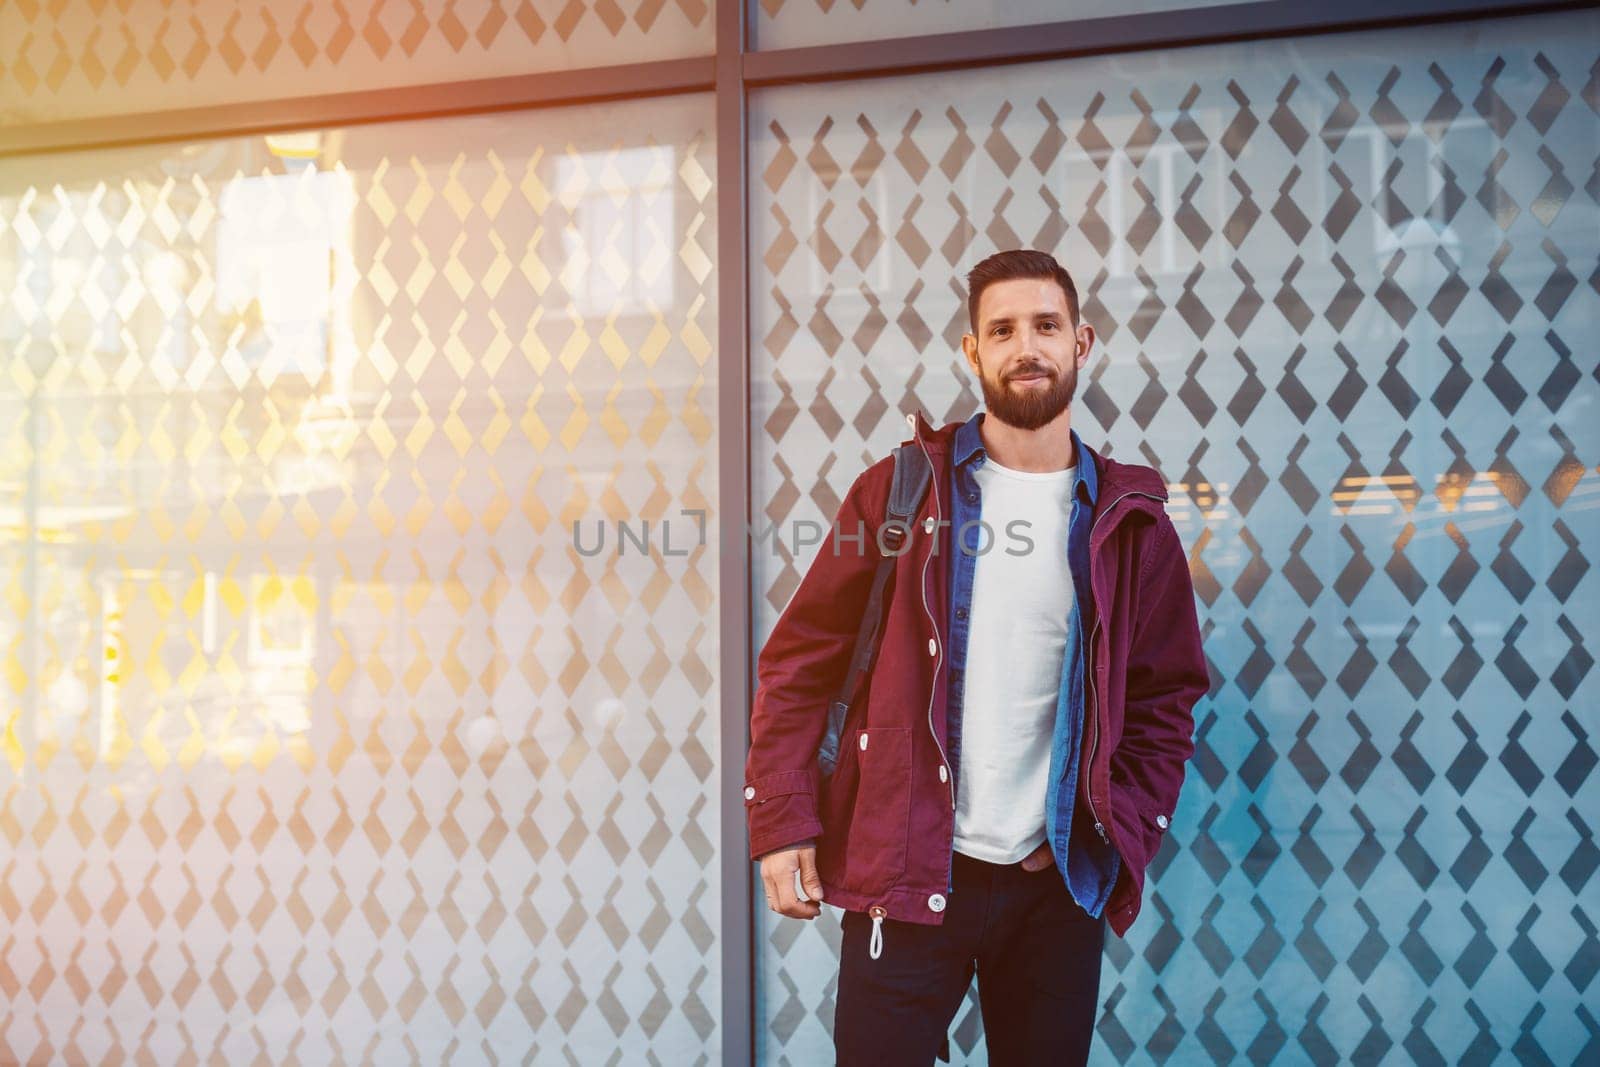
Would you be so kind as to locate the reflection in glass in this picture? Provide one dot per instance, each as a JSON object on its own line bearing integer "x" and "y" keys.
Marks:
{"x": 320, "y": 738}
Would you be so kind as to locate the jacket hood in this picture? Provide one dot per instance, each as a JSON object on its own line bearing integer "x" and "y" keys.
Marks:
{"x": 1116, "y": 478}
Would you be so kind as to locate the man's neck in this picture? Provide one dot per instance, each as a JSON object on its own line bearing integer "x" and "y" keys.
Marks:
{"x": 1049, "y": 448}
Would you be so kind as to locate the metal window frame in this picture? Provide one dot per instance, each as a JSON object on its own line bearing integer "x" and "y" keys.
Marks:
{"x": 736, "y": 69}
{"x": 737, "y": 929}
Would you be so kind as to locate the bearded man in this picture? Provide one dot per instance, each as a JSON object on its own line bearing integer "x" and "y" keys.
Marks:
{"x": 1015, "y": 758}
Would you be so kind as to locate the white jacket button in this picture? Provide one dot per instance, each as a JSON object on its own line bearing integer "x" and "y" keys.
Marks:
{"x": 933, "y": 647}
{"x": 936, "y": 902}
{"x": 863, "y": 742}
{"x": 749, "y": 792}
{"x": 1161, "y": 821}
{"x": 944, "y": 773}
{"x": 928, "y": 524}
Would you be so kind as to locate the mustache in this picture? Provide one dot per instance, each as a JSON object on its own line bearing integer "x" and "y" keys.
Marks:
{"x": 1031, "y": 368}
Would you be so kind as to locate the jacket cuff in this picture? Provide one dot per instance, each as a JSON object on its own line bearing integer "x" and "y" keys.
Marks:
{"x": 781, "y": 809}
{"x": 809, "y": 842}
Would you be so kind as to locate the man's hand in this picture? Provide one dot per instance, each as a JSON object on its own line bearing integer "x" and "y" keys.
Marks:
{"x": 1039, "y": 858}
{"x": 777, "y": 877}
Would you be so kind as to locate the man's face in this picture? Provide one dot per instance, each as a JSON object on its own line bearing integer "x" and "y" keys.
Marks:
{"x": 1027, "y": 351}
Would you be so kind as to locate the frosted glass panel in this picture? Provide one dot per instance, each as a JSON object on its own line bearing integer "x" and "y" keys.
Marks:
{"x": 320, "y": 739}
{"x": 796, "y": 23}
{"x": 79, "y": 60}
{"x": 1345, "y": 290}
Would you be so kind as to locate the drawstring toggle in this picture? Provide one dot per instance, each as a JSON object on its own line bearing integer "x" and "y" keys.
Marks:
{"x": 875, "y": 946}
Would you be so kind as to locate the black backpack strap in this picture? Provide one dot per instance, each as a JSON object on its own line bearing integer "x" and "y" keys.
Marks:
{"x": 912, "y": 475}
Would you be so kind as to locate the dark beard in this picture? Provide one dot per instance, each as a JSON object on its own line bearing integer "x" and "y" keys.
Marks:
{"x": 1032, "y": 408}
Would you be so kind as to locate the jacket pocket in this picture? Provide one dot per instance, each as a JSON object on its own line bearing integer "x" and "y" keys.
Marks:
{"x": 880, "y": 818}
{"x": 1141, "y": 824}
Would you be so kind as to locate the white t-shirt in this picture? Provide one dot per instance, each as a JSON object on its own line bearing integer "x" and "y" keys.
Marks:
{"x": 1016, "y": 642}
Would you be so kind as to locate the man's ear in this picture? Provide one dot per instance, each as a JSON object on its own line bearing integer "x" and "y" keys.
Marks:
{"x": 1085, "y": 339}
{"x": 969, "y": 348}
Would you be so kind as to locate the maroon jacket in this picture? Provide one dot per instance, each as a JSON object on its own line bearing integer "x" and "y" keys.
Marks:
{"x": 884, "y": 822}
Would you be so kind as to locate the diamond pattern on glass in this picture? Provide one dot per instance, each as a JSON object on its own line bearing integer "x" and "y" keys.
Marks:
{"x": 1344, "y": 288}
{"x": 321, "y": 740}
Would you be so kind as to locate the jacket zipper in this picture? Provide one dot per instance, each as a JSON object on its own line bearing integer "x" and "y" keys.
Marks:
{"x": 938, "y": 513}
{"x": 1094, "y": 744}
{"x": 944, "y": 759}
{"x": 878, "y": 912}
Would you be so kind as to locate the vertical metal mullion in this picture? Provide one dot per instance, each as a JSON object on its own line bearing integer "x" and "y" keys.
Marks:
{"x": 733, "y": 495}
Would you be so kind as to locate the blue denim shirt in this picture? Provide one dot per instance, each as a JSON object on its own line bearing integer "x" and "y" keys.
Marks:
{"x": 1088, "y": 863}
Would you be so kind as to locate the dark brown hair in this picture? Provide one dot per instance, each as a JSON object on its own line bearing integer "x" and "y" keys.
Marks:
{"x": 1018, "y": 263}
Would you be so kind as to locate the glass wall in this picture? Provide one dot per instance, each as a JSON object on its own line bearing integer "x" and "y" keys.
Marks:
{"x": 800, "y": 23}
{"x": 1345, "y": 293}
{"x": 359, "y": 647}
{"x": 339, "y": 722}
{"x": 79, "y": 60}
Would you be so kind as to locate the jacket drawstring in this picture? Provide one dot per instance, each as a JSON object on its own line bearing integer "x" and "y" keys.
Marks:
{"x": 875, "y": 946}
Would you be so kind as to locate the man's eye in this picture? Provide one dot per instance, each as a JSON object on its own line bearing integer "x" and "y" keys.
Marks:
{"x": 1047, "y": 326}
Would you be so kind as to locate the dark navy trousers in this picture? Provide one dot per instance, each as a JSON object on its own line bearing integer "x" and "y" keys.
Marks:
{"x": 1035, "y": 952}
